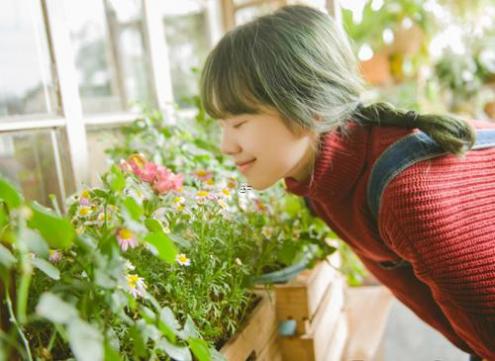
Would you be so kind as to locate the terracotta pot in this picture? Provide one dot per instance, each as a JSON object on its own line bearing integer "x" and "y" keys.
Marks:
{"x": 376, "y": 71}
{"x": 407, "y": 41}
{"x": 489, "y": 109}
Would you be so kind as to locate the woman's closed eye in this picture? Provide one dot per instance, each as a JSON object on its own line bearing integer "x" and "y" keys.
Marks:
{"x": 238, "y": 125}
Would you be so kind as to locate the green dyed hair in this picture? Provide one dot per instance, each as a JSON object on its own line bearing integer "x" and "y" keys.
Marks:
{"x": 299, "y": 62}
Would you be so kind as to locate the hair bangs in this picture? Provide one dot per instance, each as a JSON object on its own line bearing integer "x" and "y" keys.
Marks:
{"x": 228, "y": 82}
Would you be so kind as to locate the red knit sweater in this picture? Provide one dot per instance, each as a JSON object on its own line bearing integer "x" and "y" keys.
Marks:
{"x": 439, "y": 215}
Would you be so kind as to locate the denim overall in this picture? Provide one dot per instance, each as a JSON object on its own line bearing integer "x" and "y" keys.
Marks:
{"x": 402, "y": 154}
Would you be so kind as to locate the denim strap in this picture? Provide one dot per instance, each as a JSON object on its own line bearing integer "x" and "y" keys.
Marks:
{"x": 406, "y": 152}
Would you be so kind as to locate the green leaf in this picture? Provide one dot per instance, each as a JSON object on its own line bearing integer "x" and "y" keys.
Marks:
{"x": 138, "y": 342}
{"x": 111, "y": 354}
{"x": 190, "y": 330}
{"x": 58, "y": 232}
{"x": 3, "y": 217}
{"x": 153, "y": 225}
{"x": 10, "y": 194}
{"x": 168, "y": 318}
{"x": 7, "y": 259}
{"x": 134, "y": 209}
{"x": 86, "y": 341}
{"x": 116, "y": 179}
{"x": 163, "y": 244}
{"x": 216, "y": 356}
{"x": 34, "y": 242}
{"x": 200, "y": 349}
{"x": 54, "y": 309}
{"x": 178, "y": 353}
{"x": 47, "y": 268}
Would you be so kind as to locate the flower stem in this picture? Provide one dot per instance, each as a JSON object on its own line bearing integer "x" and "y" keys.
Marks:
{"x": 16, "y": 324}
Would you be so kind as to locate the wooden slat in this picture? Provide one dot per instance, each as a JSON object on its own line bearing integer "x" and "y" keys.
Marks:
{"x": 327, "y": 332}
{"x": 256, "y": 332}
{"x": 300, "y": 298}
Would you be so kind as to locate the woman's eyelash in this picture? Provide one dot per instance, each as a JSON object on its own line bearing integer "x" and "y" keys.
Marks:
{"x": 238, "y": 125}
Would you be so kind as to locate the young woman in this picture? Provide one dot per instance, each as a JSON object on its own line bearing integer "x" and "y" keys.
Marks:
{"x": 421, "y": 216}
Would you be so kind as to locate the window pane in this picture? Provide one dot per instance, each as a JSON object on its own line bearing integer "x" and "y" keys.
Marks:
{"x": 28, "y": 159}
{"x": 249, "y": 13}
{"x": 186, "y": 32}
{"x": 98, "y": 141}
{"x": 111, "y": 61}
{"x": 26, "y": 81}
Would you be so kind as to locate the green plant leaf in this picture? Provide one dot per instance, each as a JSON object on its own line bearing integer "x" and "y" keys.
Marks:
{"x": 138, "y": 342}
{"x": 134, "y": 209}
{"x": 178, "y": 353}
{"x": 153, "y": 225}
{"x": 163, "y": 244}
{"x": 58, "y": 232}
{"x": 190, "y": 330}
{"x": 47, "y": 268}
{"x": 116, "y": 179}
{"x": 200, "y": 349}
{"x": 9, "y": 194}
{"x": 86, "y": 341}
{"x": 7, "y": 259}
{"x": 54, "y": 309}
{"x": 110, "y": 353}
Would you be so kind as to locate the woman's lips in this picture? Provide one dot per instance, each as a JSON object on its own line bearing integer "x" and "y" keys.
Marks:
{"x": 245, "y": 166}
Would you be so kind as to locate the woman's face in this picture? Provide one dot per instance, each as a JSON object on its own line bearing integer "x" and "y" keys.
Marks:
{"x": 264, "y": 138}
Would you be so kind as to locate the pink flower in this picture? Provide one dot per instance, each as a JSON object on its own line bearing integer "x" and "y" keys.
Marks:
{"x": 148, "y": 173}
{"x": 168, "y": 182}
{"x": 126, "y": 239}
{"x": 54, "y": 256}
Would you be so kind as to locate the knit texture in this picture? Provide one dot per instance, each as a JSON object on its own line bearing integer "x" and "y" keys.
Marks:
{"x": 438, "y": 214}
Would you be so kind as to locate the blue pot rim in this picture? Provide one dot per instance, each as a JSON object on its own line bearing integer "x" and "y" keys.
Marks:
{"x": 287, "y": 273}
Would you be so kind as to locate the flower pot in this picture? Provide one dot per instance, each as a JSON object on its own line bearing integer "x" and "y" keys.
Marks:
{"x": 285, "y": 274}
{"x": 376, "y": 70}
{"x": 489, "y": 109}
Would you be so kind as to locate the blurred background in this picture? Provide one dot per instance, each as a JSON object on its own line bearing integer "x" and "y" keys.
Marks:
{"x": 72, "y": 72}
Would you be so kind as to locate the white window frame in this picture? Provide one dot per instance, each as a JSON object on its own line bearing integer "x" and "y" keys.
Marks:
{"x": 72, "y": 120}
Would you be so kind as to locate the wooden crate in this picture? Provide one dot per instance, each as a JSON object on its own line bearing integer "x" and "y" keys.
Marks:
{"x": 254, "y": 340}
{"x": 325, "y": 336}
{"x": 299, "y": 298}
{"x": 367, "y": 309}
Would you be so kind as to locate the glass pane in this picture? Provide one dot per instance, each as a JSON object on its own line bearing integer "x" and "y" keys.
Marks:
{"x": 188, "y": 42}
{"x": 112, "y": 65}
{"x": 28, "y": 159}
{"x": 246, "y": 14}
{"x": 26, "y": 82}
{"x": 98, "y": 141}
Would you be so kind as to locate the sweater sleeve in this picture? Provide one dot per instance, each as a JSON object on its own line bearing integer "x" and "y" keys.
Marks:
{"x": 462, "y": 291}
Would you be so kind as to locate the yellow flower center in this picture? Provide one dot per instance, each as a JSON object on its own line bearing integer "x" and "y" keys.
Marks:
{"x": 132, "y": 280}
{"x": 202, "y": 194}
{"x": 125, "y": 233}
{"x": 84, "y": 211}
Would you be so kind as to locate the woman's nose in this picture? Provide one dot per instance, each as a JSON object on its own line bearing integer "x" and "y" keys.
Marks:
{"x": 228, "y": 145}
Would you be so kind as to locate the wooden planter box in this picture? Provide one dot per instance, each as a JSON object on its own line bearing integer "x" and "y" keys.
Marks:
{"x": 325, "y": 336}
{"x": 257, "y": 337}
{"x": 300, "y": 298}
